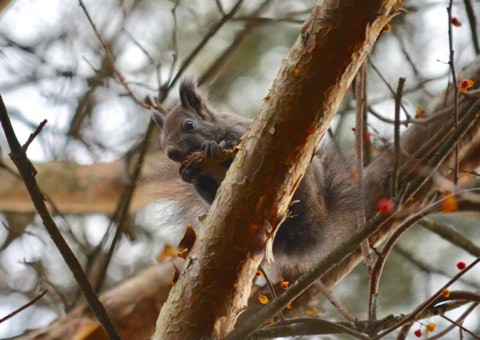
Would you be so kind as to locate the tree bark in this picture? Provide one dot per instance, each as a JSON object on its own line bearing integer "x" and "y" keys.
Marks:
{"x": 272, "y": 158}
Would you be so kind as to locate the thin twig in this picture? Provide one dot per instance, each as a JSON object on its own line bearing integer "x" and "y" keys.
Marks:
{"x": 382, "y": 258}
{"x": 220, "y": 7}
{"x": 213, "y": 30}
{"x": 399, "y": 231}
{"x": 25, "y": 306}
{"x": 174, "y": 43}
{"x": 311, "y": 326}
{"x": 459, "y": 325}
{"x": 272, "y": 289}
{"x": 396, "y": 139}
{"x": 426, "y": 267}
{"x": 111, "y": 59}
{"x": 316, "y": 326}
{"x": 451, "y": 62}
{"x": 33, "y": 135}
{"x": 402, "y": 334}
{"x": 335, "y": 303}
{"x": 28, "y": 172}
{"x": 221, "y": 61}
{"x": 412, "y": 316}
{"x": 392, "y": 91}
{"x": 408, "y": 121}
{"x": 461, "y": 318}
{"x": 124, "y": 207}
{"x": 360, "y": 98}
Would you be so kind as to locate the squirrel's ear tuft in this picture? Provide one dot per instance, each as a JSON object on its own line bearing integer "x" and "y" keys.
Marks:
{"x": 190, "y": 96}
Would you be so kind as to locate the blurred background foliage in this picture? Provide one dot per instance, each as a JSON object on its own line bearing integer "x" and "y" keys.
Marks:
{"x": 52, "y": 66}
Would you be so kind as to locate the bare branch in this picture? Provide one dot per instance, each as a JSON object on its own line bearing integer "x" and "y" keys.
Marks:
{"x": 28, "y": 173}
{"x": 111, "y": 60}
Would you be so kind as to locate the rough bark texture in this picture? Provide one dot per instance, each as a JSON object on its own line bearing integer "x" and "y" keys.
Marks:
{"x": 271, "y": 161}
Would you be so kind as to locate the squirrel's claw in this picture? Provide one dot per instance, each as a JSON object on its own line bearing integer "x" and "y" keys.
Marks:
{"x": 211, "y": 147}
{"x": 190, "y": 171}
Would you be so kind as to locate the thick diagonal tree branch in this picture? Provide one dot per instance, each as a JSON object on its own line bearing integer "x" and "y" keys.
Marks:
{"x": 256, "y": 193}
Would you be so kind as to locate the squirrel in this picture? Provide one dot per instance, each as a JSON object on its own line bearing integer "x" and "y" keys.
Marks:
{"x": 323, "y": 210}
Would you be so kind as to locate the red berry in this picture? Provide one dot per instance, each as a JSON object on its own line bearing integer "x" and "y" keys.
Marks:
{"x": 455, "y": 22}
{"x": 385, "y": 205}
{"x": 418, "y": 333}
{"x": 461, "y": 265}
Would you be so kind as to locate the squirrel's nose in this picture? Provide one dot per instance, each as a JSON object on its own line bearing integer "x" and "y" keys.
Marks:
{"x": 174, "y": 154}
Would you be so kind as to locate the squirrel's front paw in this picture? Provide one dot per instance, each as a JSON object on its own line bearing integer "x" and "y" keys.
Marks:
{"x": 190, "y": 171}
{"x": 211, "y": 147}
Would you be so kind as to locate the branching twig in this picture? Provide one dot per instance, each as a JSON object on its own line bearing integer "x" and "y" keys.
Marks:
{"x": 28, "y": 172}
{"x": 388, "y": 247}
{"x": 459, "y": 325}
{"x": 33, "y": 135}
{"x": 174, "y": 42}
{"x": 221, "y": 61}
{"x": 316, "y": 326}
{"x": 392, "y": 91}
{"x": 461, "y": 318}
{"x": 307, "y": 326}
{"x": 412, "y": 316}
{"x": 213, "y": 30}
{"x": 111, "y": 60}
{"x": 426, "y": 267}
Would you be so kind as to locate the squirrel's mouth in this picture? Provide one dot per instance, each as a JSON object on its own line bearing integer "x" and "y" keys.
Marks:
{"x": 175, "y": 154}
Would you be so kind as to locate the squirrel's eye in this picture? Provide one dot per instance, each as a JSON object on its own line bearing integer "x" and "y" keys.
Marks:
{"x": 189, "y": 125}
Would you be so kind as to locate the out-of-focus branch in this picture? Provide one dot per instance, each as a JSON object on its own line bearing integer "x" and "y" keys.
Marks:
{"x": 212, "y": 31}
{"x": 28, "y": 173}
{"x": 133, "y": 305}
{"x": 451, "y": 236}
{"x": 472, "y": 20}
{"x": 111, "y": 59}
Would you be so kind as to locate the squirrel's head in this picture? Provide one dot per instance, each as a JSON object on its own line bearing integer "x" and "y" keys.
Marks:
{"x": 188, "y": 125}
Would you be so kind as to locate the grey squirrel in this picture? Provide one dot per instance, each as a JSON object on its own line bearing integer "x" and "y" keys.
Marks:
{"x": 323, "y": 210}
